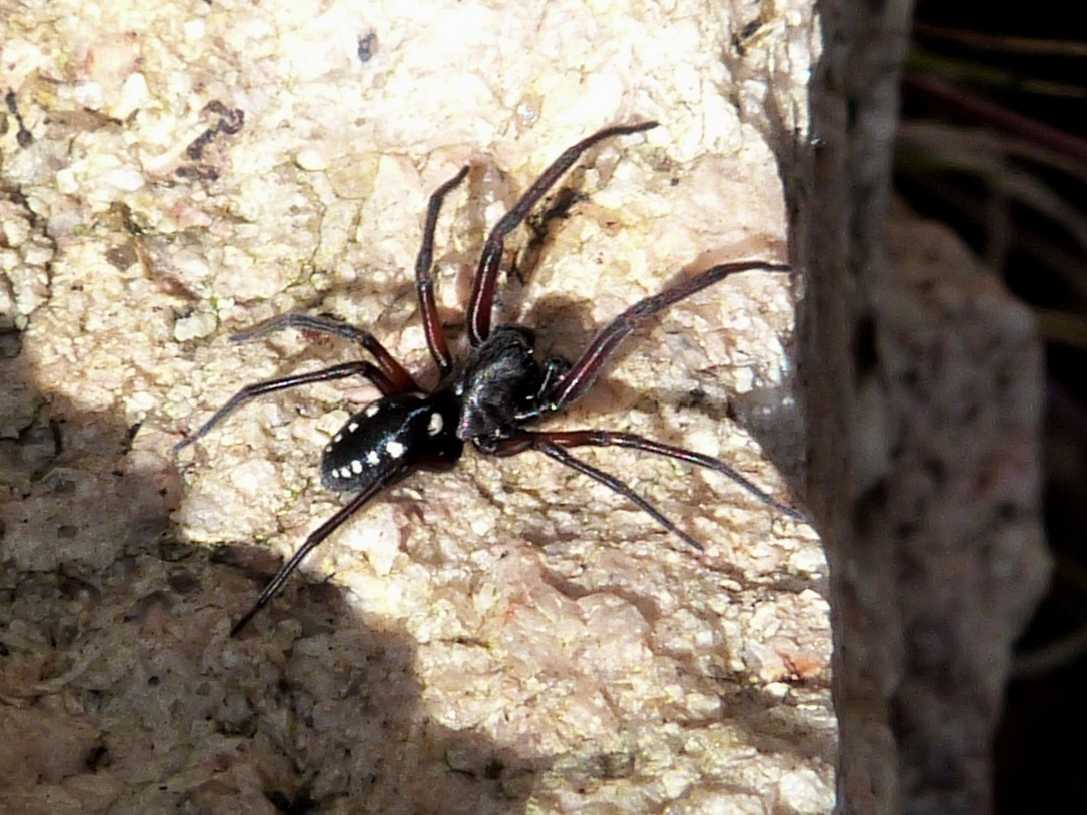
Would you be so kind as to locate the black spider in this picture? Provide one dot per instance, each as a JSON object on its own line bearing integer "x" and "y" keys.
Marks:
{"x": 488, "y": 400}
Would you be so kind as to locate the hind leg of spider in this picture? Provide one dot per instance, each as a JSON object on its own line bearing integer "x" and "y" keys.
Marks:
{"x": 540, "y": 443}
{"x": 583, "y": 373}
{"x": 341, "y": 371}
{"x": 481, "y": 303}
{"x": 424, "y": 281}
{"x": 318, "y": 535}
{"x": 607, "y": 438}
{"x": 393, "y": 370}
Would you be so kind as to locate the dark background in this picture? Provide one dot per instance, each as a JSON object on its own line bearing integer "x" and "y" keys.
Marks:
{"x": 1022, "y": 104}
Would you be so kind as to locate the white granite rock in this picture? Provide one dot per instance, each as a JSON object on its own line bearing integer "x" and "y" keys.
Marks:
{"x": 507, "y": 637}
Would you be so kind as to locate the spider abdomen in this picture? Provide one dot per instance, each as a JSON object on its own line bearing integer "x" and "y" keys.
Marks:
{"x": 396, "y": 432}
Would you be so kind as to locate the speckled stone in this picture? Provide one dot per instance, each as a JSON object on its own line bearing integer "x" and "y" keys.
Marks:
{"x": 507, "y": 637}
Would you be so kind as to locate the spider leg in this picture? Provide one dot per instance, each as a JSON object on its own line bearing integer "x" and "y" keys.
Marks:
{"x": 424, "y": 282}
{"x": 481, "y": 303}
{"x": 608, "y": 438}
{"x": 318, "y": 535}
{"x": 542, "y": 443}
{"x": 341, "y": 371}
{"x": 393, "y": 370}
{"x": 575, "y": 382}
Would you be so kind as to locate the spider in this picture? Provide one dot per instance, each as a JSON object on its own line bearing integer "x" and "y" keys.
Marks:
{"x": 488, "y": 399}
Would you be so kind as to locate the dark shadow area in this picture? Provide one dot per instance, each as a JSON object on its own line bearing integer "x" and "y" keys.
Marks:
{"x": 903, "y": 670}
{"x": 1008, "y": 80}
{"x": 122, "y": 691}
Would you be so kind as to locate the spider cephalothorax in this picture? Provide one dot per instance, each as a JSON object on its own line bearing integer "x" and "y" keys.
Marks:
{"x": 489, "y": 399}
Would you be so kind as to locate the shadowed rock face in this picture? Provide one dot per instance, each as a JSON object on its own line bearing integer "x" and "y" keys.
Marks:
{"x": 501, "y": 636}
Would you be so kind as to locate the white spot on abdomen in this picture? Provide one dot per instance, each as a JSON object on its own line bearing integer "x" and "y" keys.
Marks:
{"x": 373, "y": 410}
{"x": 434, "y": 427}
{"x": 395, "y": 449}
{"x": 356, "y": 466}
{"x": 351, "y": 428}
{"x": 372, "y": 458}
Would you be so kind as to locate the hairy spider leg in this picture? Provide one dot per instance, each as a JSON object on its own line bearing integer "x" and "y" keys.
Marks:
{"x": 395, "y": 372}
{"x": 254, "y": 389}
{"x": 583, "y": 373}
{"x": 609, "y": 438}
{"x": 424, "y": 280}
{"x": 481, "y": 303}
{"x": 318, "y": 535}
{"x": 580, "y": 377}
{"x": 540, "y": 442}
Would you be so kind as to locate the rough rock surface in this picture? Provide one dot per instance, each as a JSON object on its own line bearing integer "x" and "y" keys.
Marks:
{"x": 503, "y": 638}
